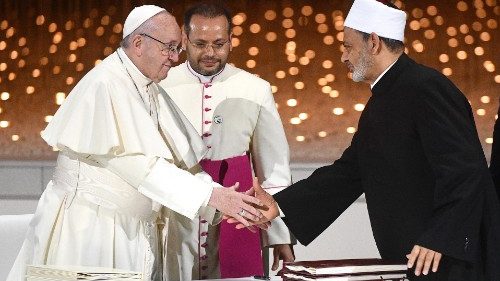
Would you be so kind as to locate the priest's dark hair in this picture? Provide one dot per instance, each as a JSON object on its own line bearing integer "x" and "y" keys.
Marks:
{"x": 207, "y": 9}
{"x": 395, "y": 46}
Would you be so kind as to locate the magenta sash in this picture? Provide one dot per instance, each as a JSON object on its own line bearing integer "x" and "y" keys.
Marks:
{"x": 239, "y": 250}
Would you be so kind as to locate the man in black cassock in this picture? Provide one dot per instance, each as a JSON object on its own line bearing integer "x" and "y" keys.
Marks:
{"x": 416, "y": 156}
{"x": 495, "y": 155}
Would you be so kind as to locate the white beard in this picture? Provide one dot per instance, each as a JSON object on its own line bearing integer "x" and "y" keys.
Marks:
{"x": 359, "y": 73}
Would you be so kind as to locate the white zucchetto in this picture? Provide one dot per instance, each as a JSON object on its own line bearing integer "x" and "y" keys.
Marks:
{"x": 372, "y": 16}
{"x": 138, "y": 16}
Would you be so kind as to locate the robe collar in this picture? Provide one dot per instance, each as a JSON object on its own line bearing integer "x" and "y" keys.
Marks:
{"x": 387, "y": 80}
{"x": 382, "y": 74}
{"x": 227, "y": 72}
{"x": 203, "y": 78}
{"x": 140, "y": 80}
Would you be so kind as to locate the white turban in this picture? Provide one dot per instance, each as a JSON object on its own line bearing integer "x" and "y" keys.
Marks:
{"x": 138, "y": 16}
{"x": 372, "y": 16}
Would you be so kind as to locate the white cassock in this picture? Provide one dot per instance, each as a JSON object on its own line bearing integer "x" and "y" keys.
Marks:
{"x": 234, "y": 113}
{"x": 121, "y": 148}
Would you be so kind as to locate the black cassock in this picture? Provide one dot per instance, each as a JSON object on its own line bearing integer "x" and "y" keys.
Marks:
{"x": 495, "y": 155}
{"x": 417, "y": 157}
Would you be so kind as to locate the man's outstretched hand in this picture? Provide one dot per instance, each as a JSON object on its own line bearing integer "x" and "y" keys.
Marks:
{"x": 269, "y": 209}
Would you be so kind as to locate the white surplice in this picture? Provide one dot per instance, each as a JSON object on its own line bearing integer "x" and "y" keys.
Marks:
{"x": 121, "y": 148}
{"x": 235, "y": 113}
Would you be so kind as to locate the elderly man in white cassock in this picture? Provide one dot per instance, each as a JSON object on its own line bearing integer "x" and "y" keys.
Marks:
{"x": 416, "y": 156}
{"x": 125, "y": 151}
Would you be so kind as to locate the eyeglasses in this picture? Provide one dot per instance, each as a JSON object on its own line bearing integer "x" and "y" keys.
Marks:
{"x": 166, "y": 49}
{"x": 201, "y": 46}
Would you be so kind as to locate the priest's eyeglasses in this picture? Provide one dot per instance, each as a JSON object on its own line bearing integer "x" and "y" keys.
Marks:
{"x": 203, "y": 46}
{"x": 166, "y": 49}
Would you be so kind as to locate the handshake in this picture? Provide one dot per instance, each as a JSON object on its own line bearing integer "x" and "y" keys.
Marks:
{"x": 253, "y": 208}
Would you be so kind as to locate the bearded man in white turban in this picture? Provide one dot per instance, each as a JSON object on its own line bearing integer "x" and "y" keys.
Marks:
{"x": 417, "y": 158}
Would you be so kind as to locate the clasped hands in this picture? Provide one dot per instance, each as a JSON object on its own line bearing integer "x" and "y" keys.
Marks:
{"x": 268, "y": 209}
{"x": 253, "y": 208}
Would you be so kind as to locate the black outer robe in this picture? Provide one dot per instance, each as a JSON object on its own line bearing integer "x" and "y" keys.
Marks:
{"x": 495, "y": 155}
{"x": 417, "y": 157}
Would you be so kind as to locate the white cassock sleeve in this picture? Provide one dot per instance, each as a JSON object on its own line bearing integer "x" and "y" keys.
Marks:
{"x": 165, "y": 183}
{"x": 271, "y": 157}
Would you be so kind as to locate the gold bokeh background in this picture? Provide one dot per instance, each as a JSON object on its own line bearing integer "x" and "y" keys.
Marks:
{"x": 47, "y": 46}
